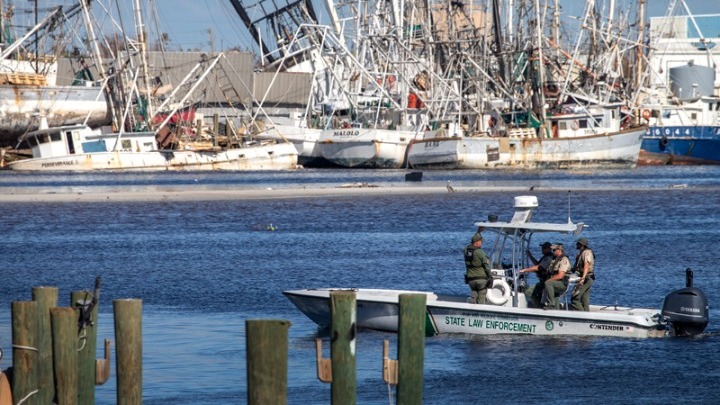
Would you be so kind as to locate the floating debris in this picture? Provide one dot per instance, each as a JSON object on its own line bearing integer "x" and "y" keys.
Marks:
{"x": 678, "y": 186}
{"x": 357, "y": 185}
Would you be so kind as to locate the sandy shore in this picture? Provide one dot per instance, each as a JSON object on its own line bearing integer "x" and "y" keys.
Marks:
{"x": 237, "y": 194}
{"x": 329, "y": 191}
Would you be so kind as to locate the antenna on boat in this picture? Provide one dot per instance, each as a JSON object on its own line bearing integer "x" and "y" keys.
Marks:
{"x": 569, "y": 221}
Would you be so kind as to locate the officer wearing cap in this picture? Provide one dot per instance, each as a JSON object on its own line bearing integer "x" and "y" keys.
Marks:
{"x": 534, "y": 293}
{"x": 555, "y": 284}
{"x": 477, "y": 270}
{"x": 585, "y": 268}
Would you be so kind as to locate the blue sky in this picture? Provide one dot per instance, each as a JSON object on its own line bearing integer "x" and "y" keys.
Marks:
{"x": 188, "y": 22}
{"x": 191, "y": 24}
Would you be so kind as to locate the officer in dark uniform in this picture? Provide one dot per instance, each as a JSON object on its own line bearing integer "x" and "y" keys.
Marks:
{"x": 540, "y": 268}
{"x": 477, "y": 270}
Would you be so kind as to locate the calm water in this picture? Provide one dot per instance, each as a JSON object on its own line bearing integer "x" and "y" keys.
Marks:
{"x": 202, "y": 269}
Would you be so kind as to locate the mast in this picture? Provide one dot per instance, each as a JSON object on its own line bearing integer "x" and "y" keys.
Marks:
{"x": 641, "y": 48}
{"x": 541, "y": 68}
{"x": 140, "y": 28}
{"x": 498, "y": 39}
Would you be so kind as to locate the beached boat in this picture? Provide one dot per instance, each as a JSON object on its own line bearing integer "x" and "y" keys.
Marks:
{"x": 30, "y": 95}
{"x": 684, "y": 312}
{"x": 373, "y": 148}
{"x": 79, "y": 148}
{"x": 576, "y": 140}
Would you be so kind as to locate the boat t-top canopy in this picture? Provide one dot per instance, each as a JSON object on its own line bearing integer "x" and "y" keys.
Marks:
{"x": 520, "y": 228}
{"x": 520, "y": 223}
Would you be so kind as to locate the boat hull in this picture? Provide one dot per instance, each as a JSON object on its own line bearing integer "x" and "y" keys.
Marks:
{"x": 366, "y": 148}
{"x": 681, "y": 145}
{"x": 21, "y": 106}
{"x": 305, "y": 141}
{"x": 262, "y": 157}
{"x": 617, "y": 150}
{"x": 378, "y": 310}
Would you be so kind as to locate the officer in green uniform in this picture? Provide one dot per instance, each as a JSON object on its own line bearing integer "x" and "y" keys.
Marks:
{"x": 477, "y": 274}
{"x": 555, "y": 284}
{"x": 585, "y": 268}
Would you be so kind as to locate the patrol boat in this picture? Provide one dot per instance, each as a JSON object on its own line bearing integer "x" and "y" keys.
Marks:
{"x": 684, "y": 311}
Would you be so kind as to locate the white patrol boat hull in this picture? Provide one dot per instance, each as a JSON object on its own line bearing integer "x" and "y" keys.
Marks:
{"x": 280, "y": 156}
{"x": 620, "y": 150}
{"x": 378, "y": 310}
{"x": 365, "y": 148}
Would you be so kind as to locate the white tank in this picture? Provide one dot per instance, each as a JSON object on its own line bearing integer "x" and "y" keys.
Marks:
{"x": 690, "y": 82}
{"x": 524, "y": 207}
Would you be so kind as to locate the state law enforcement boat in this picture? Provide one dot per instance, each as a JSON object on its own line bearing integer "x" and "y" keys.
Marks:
{"x": 684, "y": 311}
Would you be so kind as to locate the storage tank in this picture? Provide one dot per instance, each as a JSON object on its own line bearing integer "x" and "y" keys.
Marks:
{"x": 690, "y": 82}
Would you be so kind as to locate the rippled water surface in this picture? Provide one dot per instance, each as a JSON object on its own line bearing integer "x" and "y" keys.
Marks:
{"x": 202, "y": 268}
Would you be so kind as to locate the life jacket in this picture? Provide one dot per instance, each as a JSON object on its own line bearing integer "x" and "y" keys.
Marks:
{"x": 555, "y": 264}
{"x": 474, "y": 270}
{"x": 542, "y": 271}
{"x": 580, "y": 263}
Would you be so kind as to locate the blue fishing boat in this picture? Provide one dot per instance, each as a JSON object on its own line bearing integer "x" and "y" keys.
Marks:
{"x": 681, "y": 104}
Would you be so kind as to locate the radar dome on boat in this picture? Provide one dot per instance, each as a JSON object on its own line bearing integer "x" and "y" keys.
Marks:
{"x": 526, "y": 201}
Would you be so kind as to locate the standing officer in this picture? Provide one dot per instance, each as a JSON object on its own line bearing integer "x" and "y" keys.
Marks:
{"x": 585, "y": 268}
{"x": 540, "y": 267}
{"x": 477, "y": 274}
{"x": 555, "y": 284}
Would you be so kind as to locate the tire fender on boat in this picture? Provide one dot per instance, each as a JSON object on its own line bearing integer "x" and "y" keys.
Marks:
{"x": 499, "y": 284}
{"x": 664, "y": 141}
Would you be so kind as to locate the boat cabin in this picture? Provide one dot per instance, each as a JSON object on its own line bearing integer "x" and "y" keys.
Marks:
{"x": 80, "y": 139}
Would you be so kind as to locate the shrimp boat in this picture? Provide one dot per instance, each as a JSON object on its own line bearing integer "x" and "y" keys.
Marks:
{"x": 684, "y": 311}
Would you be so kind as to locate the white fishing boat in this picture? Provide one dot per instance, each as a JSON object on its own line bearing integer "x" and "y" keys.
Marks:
{"x": 30, "y": 93}
{"x": 582, "y": 137}
{"x": 684, "y": 311}
{"x": 356, "y": 146}
{"x": 80, "y": 148}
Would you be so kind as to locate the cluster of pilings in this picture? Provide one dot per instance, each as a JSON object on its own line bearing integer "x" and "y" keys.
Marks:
{"x": 54, "y": 349}
{"x": 267, "y": 353}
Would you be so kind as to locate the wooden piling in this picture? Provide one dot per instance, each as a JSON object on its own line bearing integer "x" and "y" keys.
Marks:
{"x": 65, "y": 342}
{"x": 342, "y": 347}
{"x": 87, "y": 348}
{"x": 25, "y": 352}
{"x": 411, "y": 348}
{"x": 267, "y": 361}
{"x": 47, "y": 298}
{"x": 128, "y": 349}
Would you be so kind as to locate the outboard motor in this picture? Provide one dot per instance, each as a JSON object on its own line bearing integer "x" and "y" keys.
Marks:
{"x": 686, "y": 309}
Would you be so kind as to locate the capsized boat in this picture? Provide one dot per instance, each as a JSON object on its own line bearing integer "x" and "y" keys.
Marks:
{"x": 684, "y": 311}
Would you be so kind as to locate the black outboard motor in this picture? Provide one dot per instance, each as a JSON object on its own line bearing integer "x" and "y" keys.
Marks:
{"x": 686, "y": 309}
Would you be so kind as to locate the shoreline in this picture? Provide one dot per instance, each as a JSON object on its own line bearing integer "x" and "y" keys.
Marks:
{"x": 363, "y": 190}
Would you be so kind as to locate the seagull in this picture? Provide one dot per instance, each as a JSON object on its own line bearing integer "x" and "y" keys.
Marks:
{"x": 450, "y": 187}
